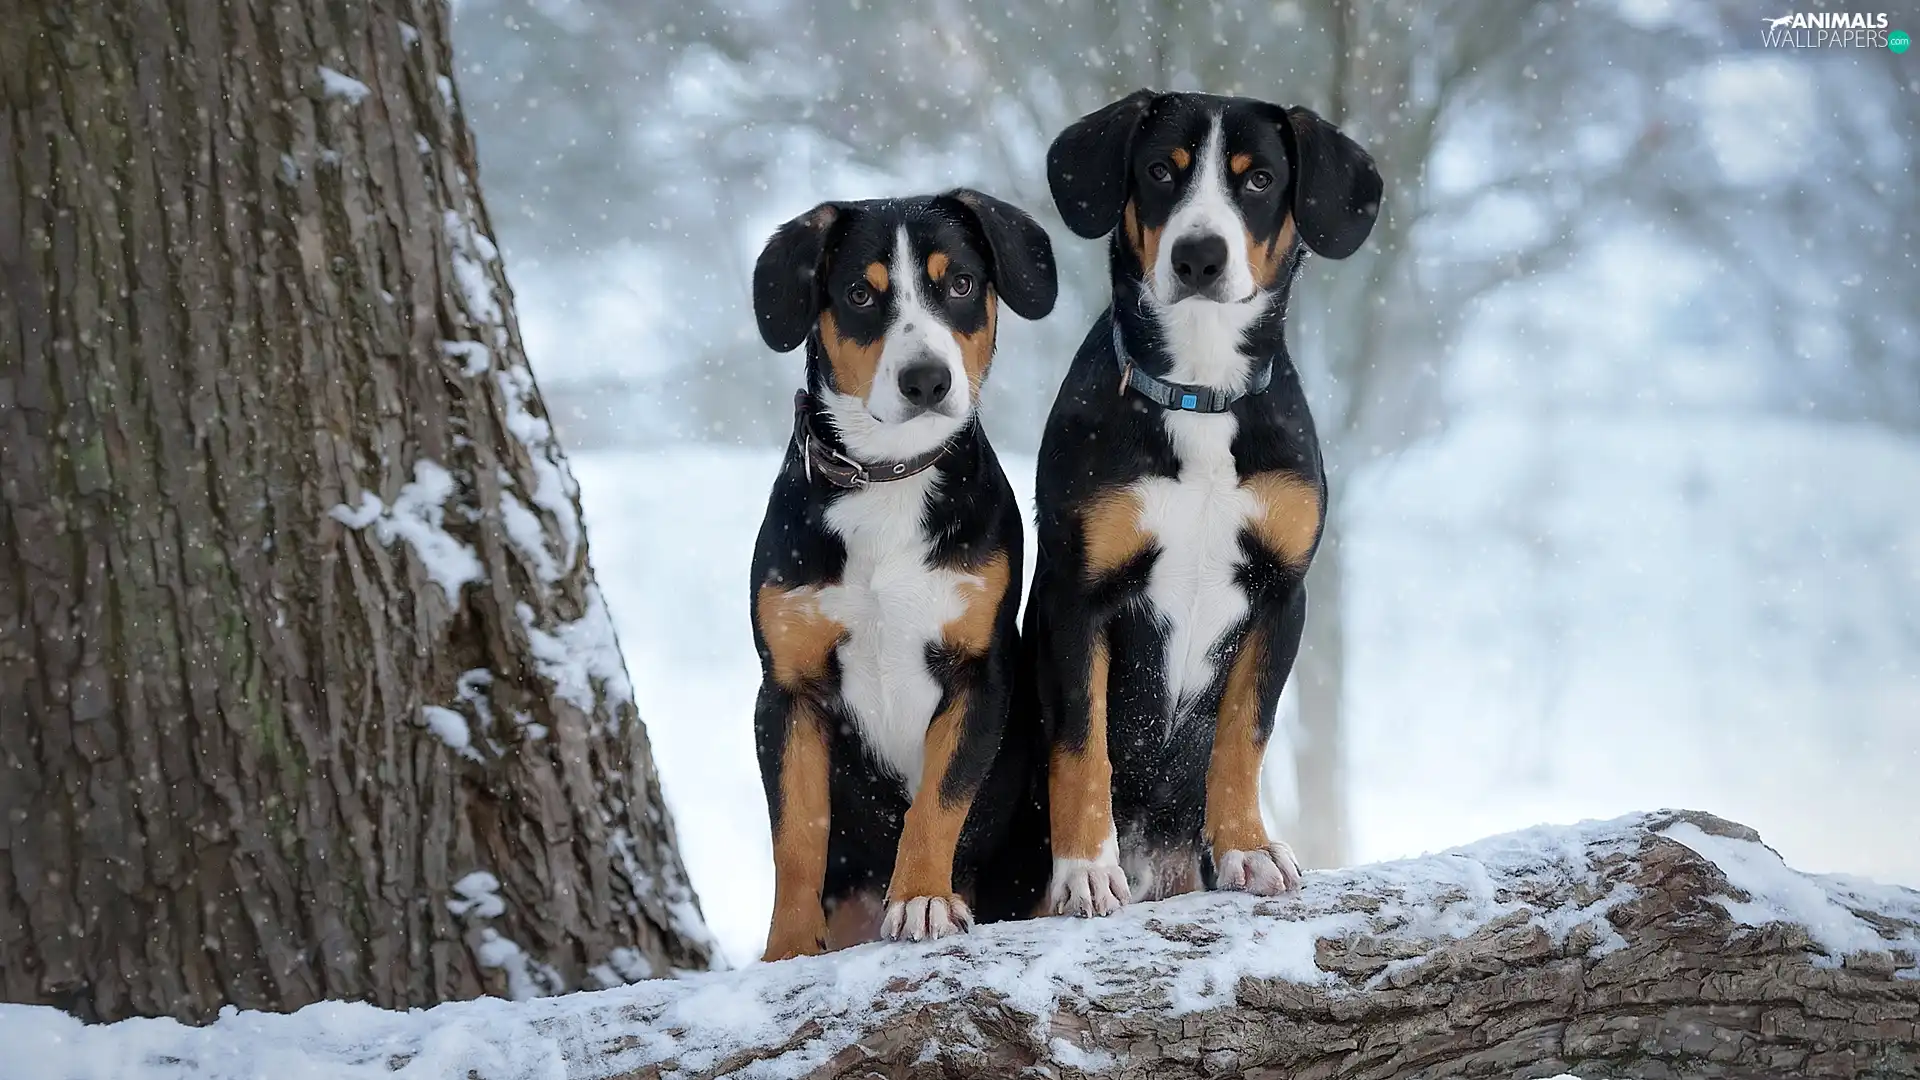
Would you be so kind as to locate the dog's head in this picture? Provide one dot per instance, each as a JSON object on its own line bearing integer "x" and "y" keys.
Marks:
{"x": 1211, "y": 194}
{"x": 900, "y": 298}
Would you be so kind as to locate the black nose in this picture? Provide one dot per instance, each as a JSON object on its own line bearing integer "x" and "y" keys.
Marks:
{"x": 925, "y": 385}
{"x": 1199, "y": 260}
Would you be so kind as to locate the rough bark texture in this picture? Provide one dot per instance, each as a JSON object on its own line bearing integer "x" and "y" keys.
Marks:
{"x": 278, "y": 486}
{"x": 1604, "y": 950}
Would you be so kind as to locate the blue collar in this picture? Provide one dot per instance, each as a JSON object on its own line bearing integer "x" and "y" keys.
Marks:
{"x": 1180, "y": 397}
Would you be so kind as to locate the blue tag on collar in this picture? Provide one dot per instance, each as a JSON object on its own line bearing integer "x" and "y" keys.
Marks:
{"x": 1189, "y": 401}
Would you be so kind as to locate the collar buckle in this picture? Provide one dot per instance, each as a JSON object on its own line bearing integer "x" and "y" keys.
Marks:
{"x": 856, "y": 472}
{"x": 842, "y": 470}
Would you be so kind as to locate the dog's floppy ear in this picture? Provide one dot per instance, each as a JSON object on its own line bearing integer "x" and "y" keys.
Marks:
{"x": 1336, "y": 189}
{"x": 1087, "y": 165}
{"x": 1022, "y": 254}
{"x": 786, "y": 294}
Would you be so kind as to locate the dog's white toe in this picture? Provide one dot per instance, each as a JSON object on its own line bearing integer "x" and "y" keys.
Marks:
{"x": 923, "y": 918}
{"x": 1267, "y": 871}
{"x": 1086, "y": 887}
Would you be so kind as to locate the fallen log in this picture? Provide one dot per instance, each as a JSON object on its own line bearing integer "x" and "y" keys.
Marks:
{"x": 1671, "y": 944}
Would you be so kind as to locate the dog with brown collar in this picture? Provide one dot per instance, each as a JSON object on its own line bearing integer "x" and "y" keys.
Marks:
{"x": 887, "y": 576}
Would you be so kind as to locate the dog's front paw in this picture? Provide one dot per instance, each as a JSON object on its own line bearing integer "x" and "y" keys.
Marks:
{"x": 923, "y": 918}
{"x": 1087, "y": 887}
{"x": 798, "y": 937}
{"x": 1265, "y": 871}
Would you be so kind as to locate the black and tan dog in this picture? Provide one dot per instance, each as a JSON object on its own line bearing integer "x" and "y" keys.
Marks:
{"x": 887, "y": 576}
{"x": 1180, "y": 492}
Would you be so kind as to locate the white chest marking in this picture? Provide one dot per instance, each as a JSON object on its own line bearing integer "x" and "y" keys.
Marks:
{"x": 893, "y": 605}
{"x": 1196, "y": 519}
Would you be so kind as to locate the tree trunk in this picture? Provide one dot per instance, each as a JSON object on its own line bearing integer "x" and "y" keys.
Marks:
{"x": 299, "y": 642}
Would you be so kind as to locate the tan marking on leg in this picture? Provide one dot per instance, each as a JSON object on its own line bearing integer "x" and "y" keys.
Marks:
{"x": 1146, "y": 242}
{"x": 1181, "y": 156}
{"x": 799, "y": 638}
{"x": 1265, "y": 260}
{"x": 855, "y": 920}
{"x": 1240, "y": 163}
{"x": 976, "y": 349}
{"x": 937, "y": 265}
{"x": 877, "y": 276}
{"x": 1110, "y": 526}
{"x": 1233, "y": 774}
{"x": 1080, "y": 781}
{"x": 1289, "y": 518}
{"x": 800, "y": 840}
{"x": 853, "y": 363}
{"x": 972, "y": 631}
{"x": 924, "y": 864}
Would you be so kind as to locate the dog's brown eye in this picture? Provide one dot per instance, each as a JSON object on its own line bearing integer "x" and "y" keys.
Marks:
{"x": 1259, "y": 180}
{"x": 1160, "y": 171}
{"x": 859, "y": 295}
{"x": 961, "y": 285}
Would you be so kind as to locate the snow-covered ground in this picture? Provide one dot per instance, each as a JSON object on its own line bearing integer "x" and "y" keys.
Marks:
{"x": 811, "y": 1008}
{"x": 1548, "y": 622}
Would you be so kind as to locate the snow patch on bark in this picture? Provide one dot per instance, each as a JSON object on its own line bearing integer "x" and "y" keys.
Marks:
{"x": 554, "y": 489}
{"x": 676, "y": 903}
{"x": 528, "y": 536}
{"x": 1777, "y": 893}
{"x": 451, "y": 727}
{"x": 1073, "y": 1057}
{"x": 335, "y": 84}
{"x": 418, "y": 516}
{"x": 622, "y": 966}
{"x": 479, "y": 893}
{"x": 472, "y": 688}
{"x": 527, "y": 978}
{"x": 474, "y": 357}
{"x": 472, "y": 250}
{"x": 578, "y": 655}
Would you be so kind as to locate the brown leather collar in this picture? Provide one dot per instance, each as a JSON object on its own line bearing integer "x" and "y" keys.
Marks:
{"x": 842, "y": 471}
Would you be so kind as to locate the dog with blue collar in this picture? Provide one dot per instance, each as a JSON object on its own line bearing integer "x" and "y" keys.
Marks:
{"x": 1180, "y": 504}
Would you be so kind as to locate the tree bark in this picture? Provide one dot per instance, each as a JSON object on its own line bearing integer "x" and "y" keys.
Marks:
{"x": 297, "y": 626}
{"x": 1605, "y": 950}
{"x": 1666, "y": 945}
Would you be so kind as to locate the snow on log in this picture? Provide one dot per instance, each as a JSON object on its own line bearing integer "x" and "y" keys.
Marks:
{"x": 1671, "y": 944}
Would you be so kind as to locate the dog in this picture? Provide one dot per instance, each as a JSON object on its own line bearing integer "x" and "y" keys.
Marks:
{"x": 1180, "y": 495}
{"x": 887, "y": 575}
